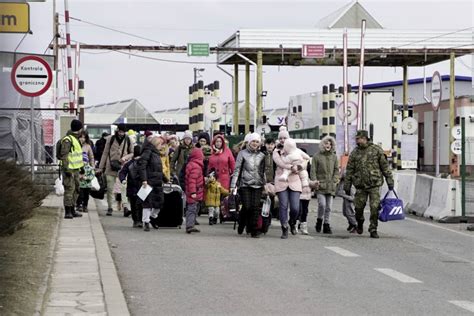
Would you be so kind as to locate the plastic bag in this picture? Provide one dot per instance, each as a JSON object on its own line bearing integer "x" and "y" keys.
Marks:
{"x": 95, "y": 186}
{"x": 266, "y": 207}
{"x": 59, "y": 187}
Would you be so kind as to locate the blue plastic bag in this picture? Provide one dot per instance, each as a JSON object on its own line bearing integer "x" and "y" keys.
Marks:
{"x": 391, "y": 208}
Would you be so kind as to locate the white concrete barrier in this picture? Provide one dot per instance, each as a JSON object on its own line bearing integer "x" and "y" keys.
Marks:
{"x": 404, "y": 185}
{"x": 421, "y": 195}
{"x": 442, "y": 200}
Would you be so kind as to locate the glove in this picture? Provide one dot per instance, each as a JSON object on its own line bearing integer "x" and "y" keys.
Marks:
{"x": 390, "y": 187}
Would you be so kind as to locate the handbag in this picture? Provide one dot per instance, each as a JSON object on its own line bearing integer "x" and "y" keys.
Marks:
{"x": 100, "y": 194}
{"x": 116, "y": 165}
{"x": 391, "y": 209}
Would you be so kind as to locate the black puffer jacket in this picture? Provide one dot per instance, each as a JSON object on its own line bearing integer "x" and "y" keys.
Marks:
{"x": 151, "y": 170}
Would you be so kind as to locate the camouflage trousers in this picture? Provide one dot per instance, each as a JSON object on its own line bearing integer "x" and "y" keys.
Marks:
{"x": 71, "y": 188}
{"x": 360, "y": 200}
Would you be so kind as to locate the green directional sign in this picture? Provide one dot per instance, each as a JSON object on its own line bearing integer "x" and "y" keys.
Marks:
{"x": 198, "y": 49}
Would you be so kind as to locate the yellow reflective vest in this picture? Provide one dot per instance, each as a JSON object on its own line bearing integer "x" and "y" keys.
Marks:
{"x": 74, "y": 157}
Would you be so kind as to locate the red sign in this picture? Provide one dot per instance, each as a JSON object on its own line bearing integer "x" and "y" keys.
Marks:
{"x": 48, "y": 132}
{"x": 313, "y": 51}
{"x": 31, "y": 76}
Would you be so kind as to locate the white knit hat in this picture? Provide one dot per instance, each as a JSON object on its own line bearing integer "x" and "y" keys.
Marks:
{"x": 246, "y": 138}
{"x": 188, "y": 134}
{"x": 283, "y": 132}
{"x": 254, "y": 136}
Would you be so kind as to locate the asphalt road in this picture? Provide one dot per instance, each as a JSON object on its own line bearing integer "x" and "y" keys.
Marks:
{"x": 415, "y": 268}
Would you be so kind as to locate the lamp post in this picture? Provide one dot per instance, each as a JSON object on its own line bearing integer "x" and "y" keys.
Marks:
{"x": 197, "y": 72}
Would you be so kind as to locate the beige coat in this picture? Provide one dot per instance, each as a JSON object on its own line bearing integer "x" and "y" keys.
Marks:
{"x": 115, "y": 154}
{"x": 86, "y": 148}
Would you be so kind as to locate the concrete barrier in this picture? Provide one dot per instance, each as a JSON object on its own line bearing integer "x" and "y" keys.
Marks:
{"x": 421, "y": 195}
{"x": 442, "y": 200}
{"x": 404, "y": 186}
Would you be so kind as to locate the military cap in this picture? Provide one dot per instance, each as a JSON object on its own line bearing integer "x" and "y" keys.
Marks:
{"x": 362, "y": 133}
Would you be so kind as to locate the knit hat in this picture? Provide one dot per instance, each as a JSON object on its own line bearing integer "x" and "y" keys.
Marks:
{"x": 121, "y": 127}
{"x": 172, "y": 136}
{"x": 188, "y": 134}
{"x": 362, "y": 133}
{"x": 76, "y": 125}
{"x": 205, "y": 136}
{"x": 283, "y": 132}
{"x": 246, "y": 138}
{"x": 254, "y": 136}
{"x": 148, "y": 133}
{"x": 163, "y": 138}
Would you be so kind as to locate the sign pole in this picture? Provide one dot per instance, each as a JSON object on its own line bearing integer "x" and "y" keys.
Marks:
{"x": 463, "y": 166}
{"x": 32, "y": 132}
{"x": 438, "y": 134}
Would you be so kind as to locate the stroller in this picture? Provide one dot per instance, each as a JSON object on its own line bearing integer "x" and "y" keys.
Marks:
{"x": 172, "y": 212}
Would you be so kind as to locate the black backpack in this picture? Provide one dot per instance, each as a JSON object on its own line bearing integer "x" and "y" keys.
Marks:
{"x": 133, "y": 177}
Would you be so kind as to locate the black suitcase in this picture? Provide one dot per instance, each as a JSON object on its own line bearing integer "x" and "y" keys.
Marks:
{"x": 171, "y": 214}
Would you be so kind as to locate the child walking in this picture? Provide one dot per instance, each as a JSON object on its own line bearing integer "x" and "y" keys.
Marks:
{"x": 214, "y": 193}
{"x": 347, "y": 205}
{"x": 85, "y": 184}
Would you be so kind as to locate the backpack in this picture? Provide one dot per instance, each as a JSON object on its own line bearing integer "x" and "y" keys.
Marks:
{"x": 58, "y": 147}
{"x": 133, "y": 177}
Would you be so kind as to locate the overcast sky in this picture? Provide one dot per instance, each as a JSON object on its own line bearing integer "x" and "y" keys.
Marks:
{"x": 110, "y": 76}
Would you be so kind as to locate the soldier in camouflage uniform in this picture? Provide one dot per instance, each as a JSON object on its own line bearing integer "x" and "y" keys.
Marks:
{"x": 72, "y": 167}
{"x": 366, "y": 169}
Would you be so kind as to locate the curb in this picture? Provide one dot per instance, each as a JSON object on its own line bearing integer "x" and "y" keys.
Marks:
{"x": 43, "y": 291}
{"x": 113, "y": 294}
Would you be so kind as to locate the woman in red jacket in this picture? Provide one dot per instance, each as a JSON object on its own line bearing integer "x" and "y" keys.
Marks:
{"x": 194, "y": 187}
{"x": 222, "y": 161}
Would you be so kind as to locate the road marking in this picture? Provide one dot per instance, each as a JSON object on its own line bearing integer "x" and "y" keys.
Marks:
{"x": 436, "y": 226}
{"x": 342, "y": 252}
{"x": 397, "y": 275}
{"x": 467, "y": 305}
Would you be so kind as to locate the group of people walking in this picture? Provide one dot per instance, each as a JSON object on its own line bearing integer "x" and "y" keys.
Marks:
{"x": 208, "y": 171}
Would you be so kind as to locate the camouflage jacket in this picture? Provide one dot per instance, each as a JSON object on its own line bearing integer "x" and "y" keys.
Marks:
{"x": 367, "y": 167}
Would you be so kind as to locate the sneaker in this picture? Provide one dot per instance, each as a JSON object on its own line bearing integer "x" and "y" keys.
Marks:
{"x": 147, "y": 227}
{"x": 373, "y": 234}
{"x": 126, "y": 212}
{"x": 79, "y": 208}
{"x": 109, "y": 212}
{"x": 192, "y": 230}
{"x": 76, "y": 214}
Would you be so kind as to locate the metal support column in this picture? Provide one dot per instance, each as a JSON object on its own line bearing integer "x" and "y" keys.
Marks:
{"x": 80, "y": 102}
{"x": 405, "y": 91}
{"x": 235, "y": 112}
{"x": 216, "y": 93}
{"x": 247, "y": 98}
{"x": 452, "y": 114}
{"x": 259, "y": 89}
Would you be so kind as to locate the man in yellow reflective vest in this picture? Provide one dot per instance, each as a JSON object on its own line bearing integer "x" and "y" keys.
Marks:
{"x": 72, "y": 167}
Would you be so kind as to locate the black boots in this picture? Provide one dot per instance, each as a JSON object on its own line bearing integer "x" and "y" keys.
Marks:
{"x": 147, "y": 227}
{"x": 360, "y": 227}
{"x": 327, "y": 229}
{"x": 319, "y": 223}
{"x": 293, "y": 227}
{"x": 284, "y": 232}
{"x": 68, "y": 213}
{"x": 373, "y": 234}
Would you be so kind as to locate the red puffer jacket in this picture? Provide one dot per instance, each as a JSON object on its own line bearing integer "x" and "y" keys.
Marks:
{"x": 223, "y": 162}
{"x": 194, "y": 176}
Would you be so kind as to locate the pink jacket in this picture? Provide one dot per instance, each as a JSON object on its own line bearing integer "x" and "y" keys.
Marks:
{"x": 194, "y": 176}
{"x": 294, "y": 182}
{"x": 223, "y": 162}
